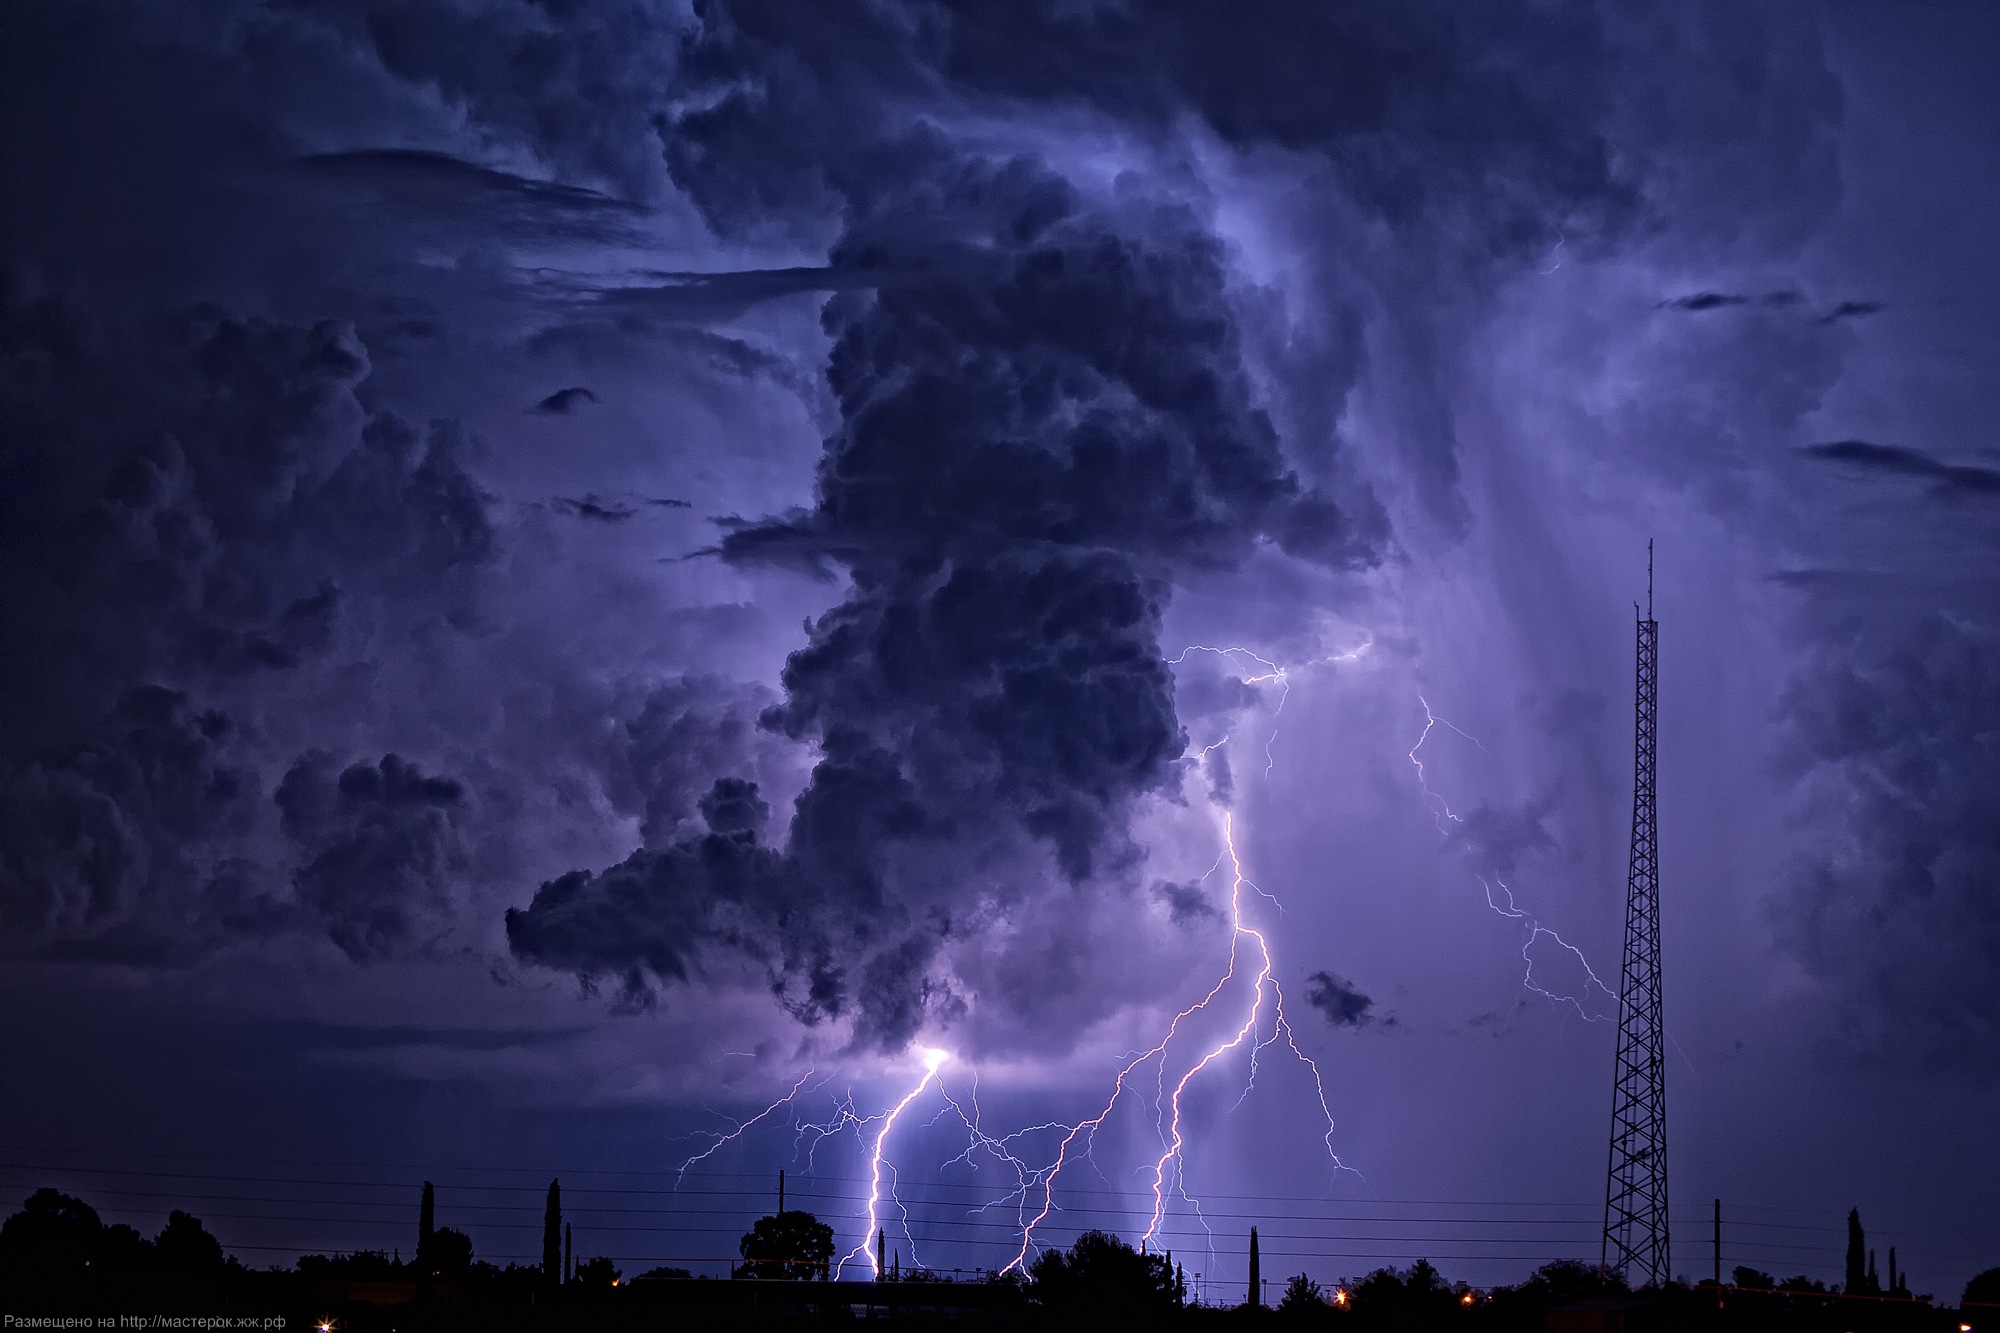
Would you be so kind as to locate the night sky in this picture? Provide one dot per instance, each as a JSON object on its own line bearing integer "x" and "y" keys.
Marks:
{"x": 568, "y": 569}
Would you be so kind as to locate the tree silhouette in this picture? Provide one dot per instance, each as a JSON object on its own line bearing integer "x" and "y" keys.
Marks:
{"x": 597, "y": 1272}
{"x": 184, "y": 1243}
{"x": 426, "y": 1223}
{"x": 450, "y": 1254}
{"x": 1857, "y": 1255}
{"x": 1983, "y": 1290}
{"x": 790, "y": 1244}
{"x": 1418, "y": 1297}
{"x": 552, "y": 1236}
{"x": 1101, "y": 1274}
{"x": 53, "y": 1233}
{"x": 1302, "y": 1296}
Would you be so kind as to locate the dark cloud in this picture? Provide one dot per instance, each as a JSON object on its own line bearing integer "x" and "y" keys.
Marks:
{"x": 708, "y": 297}
{"x": 593, "y": 508}
{"x": 119, "y": 847}
{"x": 207, "y": 498}
{"x": 564, "y": 401}
{"x": 1951, "y": 479}
{"x": 666, "y": 907}
{"x": 1495, "y": 840}
{"x": 1034, "y": 437}
{"x": 1700, "y": 301}
{"x": 684, "y": 732}
{"x": 437, "y": 185}
{"x": 1046, "y": 418}
{"x": 1341, "y": 1001}
{"x": 1893, "y": 902}
{"x": 192, "y": 506}
{"x": 1186, "y": 902}
{"x": 1852, "y": 310}
{"x": 600, "y": 509}
{"x": 380, "y": 849}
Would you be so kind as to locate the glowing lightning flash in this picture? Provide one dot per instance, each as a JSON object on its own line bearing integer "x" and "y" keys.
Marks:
{"x": 1263, "y": 979}
{"x": 1441, "y": 811}
{"x": 1081, "y": 1136}
{"x": 722, "y": 1140}
{"x": 1272, "y": 672}
{"x": 933, "y": 1058}
{"x": 1086, "y": 1130}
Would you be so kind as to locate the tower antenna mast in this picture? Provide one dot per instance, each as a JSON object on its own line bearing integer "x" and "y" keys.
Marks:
{"x": 1635, "y": 1195}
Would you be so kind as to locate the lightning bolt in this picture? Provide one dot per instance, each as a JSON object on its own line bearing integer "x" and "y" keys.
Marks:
{"x": 723, "y": 1140}
{"x": 1264, "y": 981}
{"x": 1025, "y": 1177}
{"x": 1266, "y": 1000}
{"x": 933, "y": 1058}
{"x": 1444, "y": 816}
{"x": 1272, "y": 672}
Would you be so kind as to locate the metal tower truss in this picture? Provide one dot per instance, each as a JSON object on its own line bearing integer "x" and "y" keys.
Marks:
{"x": 1635, "y": 1199}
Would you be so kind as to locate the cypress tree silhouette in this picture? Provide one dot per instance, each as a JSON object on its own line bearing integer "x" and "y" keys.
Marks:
{"x": 426, "y": 1242}
{"x": 1857, "y": 1255}
{"x": 569, "y": 1253}
{"x": 1256, "y": 1300}
{"x": 552, "y": 1236}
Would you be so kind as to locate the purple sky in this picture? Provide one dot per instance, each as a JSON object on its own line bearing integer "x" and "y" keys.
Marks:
{"x": 572, "y": 567}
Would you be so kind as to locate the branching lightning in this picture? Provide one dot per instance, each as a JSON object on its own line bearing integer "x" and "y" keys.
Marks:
{"x": 1262, "y": 1023}
{"x": 1272, "y": 672}
{"x": 722, "y": 1140}
{"x": 933, "y": 1059}
{"x": 1445, "y": 816}
{"x": 1263, "y": 980}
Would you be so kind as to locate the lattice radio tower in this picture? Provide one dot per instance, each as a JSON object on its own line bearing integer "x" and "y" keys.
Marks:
{"x": 1635, "y": 1196}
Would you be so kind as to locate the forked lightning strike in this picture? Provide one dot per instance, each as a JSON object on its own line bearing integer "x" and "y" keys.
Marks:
{"x": 1078, "y": 1138}
{"x": 933, "y": 1058}
{"x": 1264, "y": 981}
{"x": 1441, "y": 811}
{"x": 722, "y": 1140}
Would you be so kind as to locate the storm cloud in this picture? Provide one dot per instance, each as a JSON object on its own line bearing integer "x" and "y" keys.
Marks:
{"x": 1037, "y": 434}
{"x": 1087, "y": 429}
{"x": 1339, "y": 1000}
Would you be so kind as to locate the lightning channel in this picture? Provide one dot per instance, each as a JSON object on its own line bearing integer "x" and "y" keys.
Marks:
{"x": 1445, "y": 816}
{"x": 1263, "y": 981}
{"x": 723, "y": 1140}
{"x": 933, "y": 1059}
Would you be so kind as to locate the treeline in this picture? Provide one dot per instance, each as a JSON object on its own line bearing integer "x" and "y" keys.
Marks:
{"x": 56, "y": 1238}
{"x": 57, "y": 1250}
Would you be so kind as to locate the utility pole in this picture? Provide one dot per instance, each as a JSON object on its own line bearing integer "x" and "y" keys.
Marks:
{"x": 781, "y": 1191}
{"x": 1635, "y": 1193}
